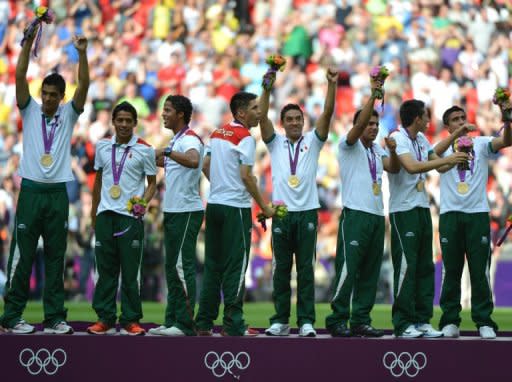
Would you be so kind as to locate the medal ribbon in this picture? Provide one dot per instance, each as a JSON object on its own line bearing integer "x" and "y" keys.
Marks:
{"x": 48, "y": 140}
{"x": 295, "y": 160}
{"x": 372, "y": 163}
{"x": 462, "y": 173}
{"x": 116, "y": 171}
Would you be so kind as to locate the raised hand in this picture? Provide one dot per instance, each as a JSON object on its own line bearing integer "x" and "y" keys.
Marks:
{"x": 80, "y": 43}
{"x": 390, "y": 144}
{"x": 332, "y": 75}
{"x": 458, "y": 157}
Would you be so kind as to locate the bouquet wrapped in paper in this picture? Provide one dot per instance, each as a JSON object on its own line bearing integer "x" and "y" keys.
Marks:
{"x": 43, "y": 15}
{"x": 281, "y": 212}
{"x": 379, "y": 73}
{"x": 276, "y": 63}
{"x": 502, "y": 99}
{"x": 137, "y": 206}
{"x": 464, "y": 144}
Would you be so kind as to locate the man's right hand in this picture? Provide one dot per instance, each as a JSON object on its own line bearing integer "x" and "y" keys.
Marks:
{"x": 457, "y": 158}
{"x": 269, "y": 211}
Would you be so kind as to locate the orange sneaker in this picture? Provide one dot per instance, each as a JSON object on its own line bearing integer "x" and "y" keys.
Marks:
{"x": 249, "y": 332}
{"x": 205, "y": 332}
{"x": 100, "y": 328}
{"x": 133, "y": 329}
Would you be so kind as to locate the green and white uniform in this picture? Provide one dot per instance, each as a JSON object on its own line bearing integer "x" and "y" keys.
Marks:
{"x": 411, "y": 238}
{"x": 228, "y": 229}
{"x": 42, "y": 210}
{"x": 297, "y": 232}
{"x": 360, "y": 234}
{"x": 120, "y": 236}
{"x": 464, "y": 228}
{"x": 183, "y": 215}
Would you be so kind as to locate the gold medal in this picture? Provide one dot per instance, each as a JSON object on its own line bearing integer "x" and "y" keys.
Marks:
{"x": 420, "y": 186}
{"x": 462, "y": 188}
{"x": 293, "y": 181}
{"x": 46, "y": 160}
{"x": 115, "y": 191}
{"x": 376, "y": 188}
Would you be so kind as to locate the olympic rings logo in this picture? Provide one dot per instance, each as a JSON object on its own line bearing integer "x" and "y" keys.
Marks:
{"x": 42, "y": 360}
{"x": 220, "y": 365}
{"x": 405, "y": 362}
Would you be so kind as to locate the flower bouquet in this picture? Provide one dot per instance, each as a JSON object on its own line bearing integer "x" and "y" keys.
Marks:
{"x": 137, "y": 206}
{"x": 281, "y": 212}
{"x": 379, "y": 73}
{"x": 505, "y": 234}
{"x": 276, "y": 62}
{"x": 464, "y": 144}
{"x": 43, "y": 14}
{"x": 502, "y": 99}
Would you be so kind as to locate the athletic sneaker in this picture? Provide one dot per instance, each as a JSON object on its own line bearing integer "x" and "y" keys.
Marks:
{"x": 157, "y": 331}
{"x": 21, "y": 328}
{"x": 428, "y": 331}
{"x": 277, "y": 329}
{"x": 59, "y": 328}
{"x": 487, "y": 333}
{"x": 307, "y": 330}
{"x": 451, "y": 331}
{"x": 101, "y": 328}
{"x": 410, "y": 332}
{"x": 173, "y": 331}
{"x": 132, "y": 329}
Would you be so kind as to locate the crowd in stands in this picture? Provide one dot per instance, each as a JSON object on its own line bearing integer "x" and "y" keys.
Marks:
{"x": 442, "y": 52}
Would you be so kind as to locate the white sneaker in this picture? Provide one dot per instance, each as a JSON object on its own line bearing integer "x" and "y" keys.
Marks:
{"x": 307, "y": 330}
{"x": 451, "y": 331}
{"x": 277, "y": 329}
{"x": 487, "y": 333}
{"x": 428, "y": 331}
{"x": 59, "y": 328}
{"x": 157, "y": 331}
{"x": 21, "y": 328}
{"x": 410, "y": 332}
{"x": 173, "y": 331}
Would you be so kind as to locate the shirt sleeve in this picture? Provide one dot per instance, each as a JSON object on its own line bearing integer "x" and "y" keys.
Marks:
{"x": 247, "y": 150}
{"x": 98, "y": 161}
{"x": 402, "y": 143}
{"x": 150, "y": 161}
{"x": 190, "y": 142}
{"x": 380, "y": 151}
{"x": 343, "y": 145}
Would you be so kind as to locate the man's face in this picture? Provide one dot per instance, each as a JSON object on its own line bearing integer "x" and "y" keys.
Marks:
{"x": 423, "y": 121}
{"x": 371, "y": 130}
{"x": 169, "y": 115}
{"x": 124, "y": 123}
{"x": 456, "y": 120}
{"x": 252, "y": 114}
{"x": 51, "y": 98}
{"x": 293, "y": 123}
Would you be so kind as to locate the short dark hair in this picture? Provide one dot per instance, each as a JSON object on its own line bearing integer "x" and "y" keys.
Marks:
{"x": 182, "y": 105}
{"x": 240, "y": 101}
{"x": 411, "y": 109}
{"x": 448, "y": 112}
{"x": 55, "y": 79}
{"x": 288, "y": 107}
{"x": 356, "y": 115}
{"x": 124, "y": 106}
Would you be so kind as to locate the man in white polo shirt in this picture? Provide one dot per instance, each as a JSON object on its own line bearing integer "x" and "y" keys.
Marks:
{"x": 361, "y": 228}
{"x": 228, "y": 165}
{"x": 464, "y": 226}
{"x": 183, "y": 215}
{"x": 123, "y": 163}
{"x": 43, "y": 203}
{"x": 294, "y": 162}
{"x": 411, "y": 223}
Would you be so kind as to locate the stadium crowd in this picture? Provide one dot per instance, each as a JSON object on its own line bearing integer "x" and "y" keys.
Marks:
{"x": 441, "y": 52}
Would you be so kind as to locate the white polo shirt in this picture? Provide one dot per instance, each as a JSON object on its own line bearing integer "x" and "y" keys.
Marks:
{"x": 230, "y": 147}
{"x": 402, "y": 186}
{"x": 33, "y": 144}
{"x": 357, "y": 190}
{"x": 139, "y": 163}
{"x": 182, "y": 183}
{"x": 476, "y": 199}
{"x": 305, "y": 196}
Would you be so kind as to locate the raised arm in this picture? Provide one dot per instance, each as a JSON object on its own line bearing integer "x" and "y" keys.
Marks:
{"x": 22, "y": 91}
{"x": 503, "y": 141}
{"x": 442, "y": 146}
{"x": 392, "y": 163}
{"x": 412, "y": 166}
{"x": 80, "y": 95}
{"x": 364, "y": 116}
{"x": 266, "y": 126}
{"x": 324, "y": 121}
